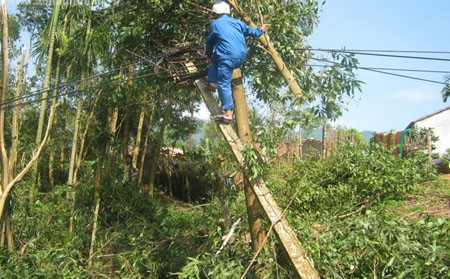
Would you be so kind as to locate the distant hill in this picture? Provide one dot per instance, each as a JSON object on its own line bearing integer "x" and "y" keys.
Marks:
{"x": 315, "y": 134}
{"x": 367, "y": 135}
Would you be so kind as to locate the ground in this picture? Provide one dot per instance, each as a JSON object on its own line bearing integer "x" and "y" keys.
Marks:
{"x": 432, "y": 199}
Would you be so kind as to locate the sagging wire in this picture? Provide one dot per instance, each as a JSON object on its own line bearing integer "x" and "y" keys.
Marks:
{"x": 375, "y": 70}
{"x": 15, "y": 100}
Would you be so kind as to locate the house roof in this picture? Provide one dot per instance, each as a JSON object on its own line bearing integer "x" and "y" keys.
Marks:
{"x": 426, "y": 116}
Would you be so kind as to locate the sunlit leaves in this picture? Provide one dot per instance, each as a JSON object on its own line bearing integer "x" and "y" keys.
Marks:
{"x": 446, "y": 90}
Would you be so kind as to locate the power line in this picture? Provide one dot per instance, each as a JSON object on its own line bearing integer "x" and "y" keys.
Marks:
{"x": 378, "y": 71}
{"x": 404, "y": 76}
{"x": 74, "y": 82}
{"x": 394, "y": 69}
{"x": 377, "y": 50}
{"x": 65, "y": 85}
{"x": 378, "y": 54}
{"x": 70, "y": 93}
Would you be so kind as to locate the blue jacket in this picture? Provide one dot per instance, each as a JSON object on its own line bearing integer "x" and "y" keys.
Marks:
{"x": 227, "y": 36}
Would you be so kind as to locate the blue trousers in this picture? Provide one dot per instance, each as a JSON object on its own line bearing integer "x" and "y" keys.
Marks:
{"x": 220, "y": 72}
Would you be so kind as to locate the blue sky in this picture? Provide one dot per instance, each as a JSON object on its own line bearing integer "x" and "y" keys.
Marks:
{"x": 389, "y": 102}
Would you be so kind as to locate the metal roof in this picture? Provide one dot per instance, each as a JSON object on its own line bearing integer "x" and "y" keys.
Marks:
{"x": 426, "y": 116}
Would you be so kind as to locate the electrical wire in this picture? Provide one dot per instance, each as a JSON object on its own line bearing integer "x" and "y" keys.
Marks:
{"x": 377, "y": 53}
{"x": 67, "y": 84}
{"x": 73, "y": 92}
{"x": 392, "y": 69}
{"x": 377, "y": 71}
{"x": 143, "y": 60}
{"x": 63, "y": 85}
{"x": 398, "y": 56}
{"x": 376, "y": 50}
{"x": 404, "y": 76}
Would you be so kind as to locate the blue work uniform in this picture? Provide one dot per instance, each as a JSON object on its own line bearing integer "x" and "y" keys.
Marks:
{"x": 226, "y": 45}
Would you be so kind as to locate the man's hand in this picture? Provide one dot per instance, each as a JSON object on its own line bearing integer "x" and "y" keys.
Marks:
{"x": 264, "y": 27}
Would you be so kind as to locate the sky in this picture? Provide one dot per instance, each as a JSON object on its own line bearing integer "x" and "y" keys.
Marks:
{"x": 389, "y": 102}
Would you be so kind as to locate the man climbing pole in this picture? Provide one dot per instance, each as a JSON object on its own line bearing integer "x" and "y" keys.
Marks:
{"x": 226, "y": 50}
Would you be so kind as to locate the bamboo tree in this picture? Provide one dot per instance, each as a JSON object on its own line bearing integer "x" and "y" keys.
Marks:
{"x": 82, "y": 151}
{"x": 72, "y": 162}
{"x": 53, "y": 131}
{"x": 78, "y": 158}
{"x": 97, "y": 200}
{"x": 139, "y": 130}
{"x": 157, "y": 148}
{"x": 60, "y": 53}
{"x": 45, "y": 89}
{"x": 71, "y": 179}
{"x": 147, "y": 137}
{"x": 127, "y": 113}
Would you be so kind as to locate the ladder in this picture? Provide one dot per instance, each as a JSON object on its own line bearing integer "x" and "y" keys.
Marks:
{"x": 286, "y": 236}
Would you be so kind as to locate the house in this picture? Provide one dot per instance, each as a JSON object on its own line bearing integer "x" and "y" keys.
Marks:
{"x": 439, "y": 121}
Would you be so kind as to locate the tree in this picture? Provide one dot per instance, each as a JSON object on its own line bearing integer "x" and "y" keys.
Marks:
{"x": 45, "y": 90}
{"x": 4, "y": 218}
{"x": 446, "y": 90}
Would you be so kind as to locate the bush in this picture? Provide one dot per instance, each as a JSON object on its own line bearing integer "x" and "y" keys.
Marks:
{"x": 353, "y": 177}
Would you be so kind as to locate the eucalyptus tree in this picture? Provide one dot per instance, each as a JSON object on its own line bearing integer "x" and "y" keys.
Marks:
{"x": 9, "y": 37}
{"x": 4, "y": 219}
{"x": 88, "y": 45}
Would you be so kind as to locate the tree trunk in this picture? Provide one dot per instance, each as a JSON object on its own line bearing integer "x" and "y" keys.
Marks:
{"x": 139, "y": 132}
{"x": 112, "y": 124}
{"x": 53, "y": 130}
{"x": 255, "y": 220}
{"x": 127, "y": 113}
{"x": 71, "y": 180}
{"x": 281, "y": 66}
{"x": 79, "y": 157}
{"x": 145, "y": 148}
{"x": 15, "y": 119}
{"x": 97, "y": 199}
{"x": 126, "y": 132}
{"x": 81, "y": 150}
{"x": 4, "y": 218}
{"x": 324, "y": 140}
{"x": 48, "y": 69}
{"x": 36, "y": 154}
{"x": 156, "y": 151}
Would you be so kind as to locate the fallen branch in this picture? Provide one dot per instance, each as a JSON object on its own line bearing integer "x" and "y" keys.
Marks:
{"x": 230, "y": 233}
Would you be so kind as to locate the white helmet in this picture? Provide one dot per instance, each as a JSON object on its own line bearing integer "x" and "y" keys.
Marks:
{"x": 221, "y": 8}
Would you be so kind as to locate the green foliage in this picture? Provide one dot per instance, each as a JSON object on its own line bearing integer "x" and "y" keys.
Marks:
{"x": 374, "y": 244}
{"x": 446, "y": 90}
{"x": 254, "y": 162}
{"x": 340, "y": 210}
{"x": 207, "y": 266}
{"x": 354, "y": 177}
